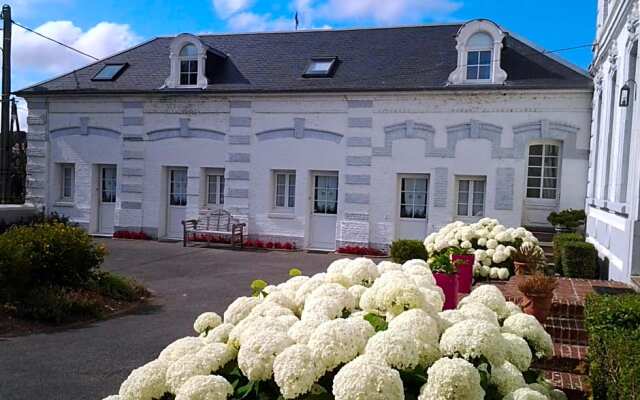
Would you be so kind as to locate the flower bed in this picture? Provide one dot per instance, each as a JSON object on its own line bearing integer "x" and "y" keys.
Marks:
{"x": 492, "y": 244}
{"x": 361, "y": 251}
{"x": 131, "y": 235}
{"x": 259, "y": 244}
{"x": 358, "y": 331}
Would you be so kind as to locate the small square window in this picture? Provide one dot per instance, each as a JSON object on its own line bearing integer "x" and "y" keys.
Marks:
{"x": 321, "y": 67}
{"x": 110, "y": 72}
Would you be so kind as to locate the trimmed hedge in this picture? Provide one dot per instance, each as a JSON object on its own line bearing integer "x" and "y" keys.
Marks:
{"x": 579, "y": 260}
{"x": 559, "y": 240}
{"x": 613, "y": 324}
{"x": 404, "y": 249}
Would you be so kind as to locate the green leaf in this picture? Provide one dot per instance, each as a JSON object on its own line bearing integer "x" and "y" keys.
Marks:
{"x": 378, "y": 323}
{"x": 243, "y": 391}
{"x": 257, "y": 286}
{"x": 293, "y": 272}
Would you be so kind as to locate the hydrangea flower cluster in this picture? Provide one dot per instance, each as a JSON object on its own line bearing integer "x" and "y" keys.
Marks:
{"x": 491, "y": 243}
{"x": 358, "y": 331}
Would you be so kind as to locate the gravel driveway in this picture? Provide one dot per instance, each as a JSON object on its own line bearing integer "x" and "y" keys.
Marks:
{"x": 90, "y": 362}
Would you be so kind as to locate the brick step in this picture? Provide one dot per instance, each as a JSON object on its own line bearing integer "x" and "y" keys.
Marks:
{"x": 567, "y": 309}
{"x": 575, "y": 386}
{"x": 566, "y": 330}
{"x": 566, "y": 358}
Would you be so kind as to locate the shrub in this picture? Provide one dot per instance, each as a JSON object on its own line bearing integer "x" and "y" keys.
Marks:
{"x": 131, "y": 235}
{"x": 579, "y": 260}
{"x": 56, "y": 304}
{"x": 613, "y": 323}
{"x": 360, "y": 251}
{"x": 567, "y": 218}
{"x": 404, "y": 250}
{"x": 46, "y": 255}
{"x": 559, "y": 240}
{"x": 117, "y": 287}
{"x": 40, "y": 218}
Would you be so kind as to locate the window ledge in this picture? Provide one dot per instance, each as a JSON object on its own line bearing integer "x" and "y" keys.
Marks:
{"x": 282, "y": 215}
{"x": 618, "y": 208}
{"x": 62, "y": 203}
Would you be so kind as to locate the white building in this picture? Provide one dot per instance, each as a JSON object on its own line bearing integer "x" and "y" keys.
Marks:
{"x": 324, "y": 138}
{"x": 613, "y": 224}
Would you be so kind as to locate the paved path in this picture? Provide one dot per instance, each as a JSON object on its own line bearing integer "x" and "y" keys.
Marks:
{"x": 90, "y": 362}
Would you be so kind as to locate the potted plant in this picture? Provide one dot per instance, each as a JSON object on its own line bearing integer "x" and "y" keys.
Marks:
{"x": 464, "y": 262}
{"x": 538, "y": 295}
{"x": 528, "y": 259}
{"x": 445, "y": 273}
{"x": 567, "y": 220}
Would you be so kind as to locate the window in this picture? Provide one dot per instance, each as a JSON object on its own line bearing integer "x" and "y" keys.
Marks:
{"x": 471, "y": 191}
{"x": 215, "y": 189}
{"x": 325, "y": 194}
{"x": 189, "y": 65}
{"x": 607, "y": 165}
{"x": 479, "y": 65}
{"x": 285, "y": 189}
{"x": 67, "y": 182}
{"x": 542, "y": 171}
{"x": 108, "y": 184}
{"x": 413, "y": 197}
{"x": 110, "y": 72}
{"x": 478, "y": 44}
{"x": 320, "y": 67}
{"x": 177, "y": 187}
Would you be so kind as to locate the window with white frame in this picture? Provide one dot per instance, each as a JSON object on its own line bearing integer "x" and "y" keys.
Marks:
{"x": 479, "y": 52}
{"x": 413, "y": 197}
{"x": 215, "y": 189}
{"x": 543, "y": 171}
{"x": 284, "y": 193}
{"x": 471, "y": 194}
{"x": 67, "y": 182}
{"x": 189, "y": 65}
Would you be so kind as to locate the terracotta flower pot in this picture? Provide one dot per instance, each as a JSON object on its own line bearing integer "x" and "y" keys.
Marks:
{"x": 538, "y": 305}
{"x": 465, "y": 271}
{"x": 521, "y": 268}
{"x": 449, "y": 285}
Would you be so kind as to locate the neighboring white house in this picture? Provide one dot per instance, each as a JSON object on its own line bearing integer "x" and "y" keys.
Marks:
{"x": 324, "y": 138}
{"x": 613, "y": 224}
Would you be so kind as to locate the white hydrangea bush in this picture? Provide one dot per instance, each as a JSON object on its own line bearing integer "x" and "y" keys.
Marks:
{"x": 357, "y": 331}
{"x": 490, "y": 242}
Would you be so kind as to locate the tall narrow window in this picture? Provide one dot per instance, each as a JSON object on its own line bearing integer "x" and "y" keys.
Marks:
{"x": 606, "y": 165}
{"x": 413, "y": 197}
{"x": 189, "y": 65}
{"x": 471, "y": 192}
{"x": 67, "y": 182}
{"x": 285, "y": 189}
{"x": 596, "y": 148}
{"x": 178, "y": 187}
{"x": 479, "y": 54}
{"x": 542, "y": 171}
{"x": 108, "y": 184}
{"x": 215, "y": 189}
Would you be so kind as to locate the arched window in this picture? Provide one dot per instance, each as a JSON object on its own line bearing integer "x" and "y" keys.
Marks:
{"x": 479, "y": 56}
{"x": 189, "y": 65}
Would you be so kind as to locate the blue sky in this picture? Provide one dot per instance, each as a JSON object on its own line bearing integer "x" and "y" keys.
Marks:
{"x": 102, "y": 27}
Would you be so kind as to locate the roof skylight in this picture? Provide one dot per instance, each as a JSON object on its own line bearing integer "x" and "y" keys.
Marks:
{"x": 321, "y": 67}
{"x": 110, "y": 72}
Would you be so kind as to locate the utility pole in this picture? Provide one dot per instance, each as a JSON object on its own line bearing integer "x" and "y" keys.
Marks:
{"x": 6, "y": 107}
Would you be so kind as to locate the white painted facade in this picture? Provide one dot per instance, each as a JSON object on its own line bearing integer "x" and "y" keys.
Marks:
{"x": 613, "y": 208}
{"x": 369, "y": 141}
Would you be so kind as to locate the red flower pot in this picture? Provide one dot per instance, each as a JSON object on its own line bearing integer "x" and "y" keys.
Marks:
{"x": 465, "y": 271}
{"x": 449, "y": 285}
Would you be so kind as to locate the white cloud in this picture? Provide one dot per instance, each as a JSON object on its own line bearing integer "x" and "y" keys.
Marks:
{"x": 32, "y": 52}
{"x": 226, "y": 8}
{"x": 252, "y": 22}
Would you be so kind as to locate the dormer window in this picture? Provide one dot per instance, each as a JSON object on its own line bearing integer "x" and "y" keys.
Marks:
{"x": 479, "y": 45}
{"x": 320, "y": 67}
{"x": 189, "y": 65}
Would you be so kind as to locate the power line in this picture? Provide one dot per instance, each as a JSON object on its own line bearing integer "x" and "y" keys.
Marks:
{"x": 55, "y": 41}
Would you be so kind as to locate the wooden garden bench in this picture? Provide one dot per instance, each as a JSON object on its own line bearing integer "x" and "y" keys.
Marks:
{"x": 214, "y": 222}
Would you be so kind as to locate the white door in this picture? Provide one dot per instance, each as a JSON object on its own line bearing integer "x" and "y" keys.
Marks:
{"x": 107, "y": 198}
{"x": 412, "y": 213}
{"x": 324, "y": 210}
{"x": 176, "y": 201}
{"x": 543, "y": 182}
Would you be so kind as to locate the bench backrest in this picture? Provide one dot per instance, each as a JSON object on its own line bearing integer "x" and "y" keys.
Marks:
{"x": 215, "y": 220}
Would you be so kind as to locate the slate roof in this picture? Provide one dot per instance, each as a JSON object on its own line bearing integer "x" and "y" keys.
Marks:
{"x": 379, "y": 59}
